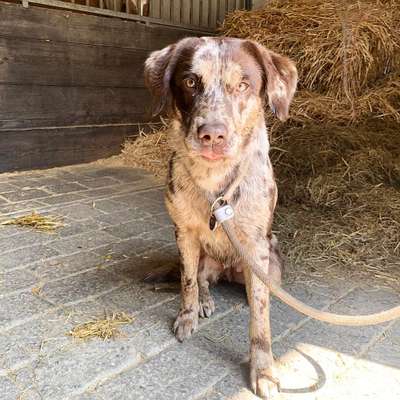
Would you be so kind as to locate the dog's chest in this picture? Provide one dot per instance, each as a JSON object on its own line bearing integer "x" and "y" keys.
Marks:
{"x": 217, "y": 245}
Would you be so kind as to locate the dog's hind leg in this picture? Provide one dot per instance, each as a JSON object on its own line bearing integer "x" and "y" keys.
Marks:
{"x": 209, "y": 272}
{"x": 276, "y": 264}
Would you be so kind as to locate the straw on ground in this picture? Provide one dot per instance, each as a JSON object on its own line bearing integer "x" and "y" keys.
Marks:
{"x": 44, "y": 223}
{"x": 104, "y": 328}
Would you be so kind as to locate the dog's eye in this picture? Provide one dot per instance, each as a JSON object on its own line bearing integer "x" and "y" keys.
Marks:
{"x": 190, "y": 83}
{"x": 243, "y": 86}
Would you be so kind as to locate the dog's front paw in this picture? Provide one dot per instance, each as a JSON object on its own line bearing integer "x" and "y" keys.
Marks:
{"x": 264, "y": 382}
{"x": 207, "y": 306}
{"x": 186, "y": 323}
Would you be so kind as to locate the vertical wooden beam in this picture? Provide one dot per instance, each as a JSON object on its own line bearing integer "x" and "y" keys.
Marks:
{"x": 196, "y": 12}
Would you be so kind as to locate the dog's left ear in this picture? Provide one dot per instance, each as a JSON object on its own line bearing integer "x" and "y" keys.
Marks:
{"x": 280, "y": 77}
{"x": 158, "y": 72}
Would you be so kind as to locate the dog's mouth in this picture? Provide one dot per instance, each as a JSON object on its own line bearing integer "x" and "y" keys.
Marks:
{"x": 209, "y": 154}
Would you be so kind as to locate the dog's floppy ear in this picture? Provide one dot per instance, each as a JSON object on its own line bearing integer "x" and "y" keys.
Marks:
{"x": 280, "y": 76}
{"x": 157, "y": 76}
{"x": 158, "y": 72}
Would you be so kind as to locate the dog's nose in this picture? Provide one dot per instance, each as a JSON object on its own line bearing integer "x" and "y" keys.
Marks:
{"x": 212, "y": 134}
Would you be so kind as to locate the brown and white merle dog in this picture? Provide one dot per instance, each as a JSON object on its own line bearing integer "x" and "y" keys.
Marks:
{"x": 214, "y": 90}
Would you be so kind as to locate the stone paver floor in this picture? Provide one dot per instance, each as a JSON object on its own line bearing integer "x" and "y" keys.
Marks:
{"x": 116, "y": 229}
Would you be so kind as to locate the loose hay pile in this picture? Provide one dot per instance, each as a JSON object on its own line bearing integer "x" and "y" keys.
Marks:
{"x": 104, "y": 328}
{"x": 347, "y": 53}
{"x": 149, "y": 151}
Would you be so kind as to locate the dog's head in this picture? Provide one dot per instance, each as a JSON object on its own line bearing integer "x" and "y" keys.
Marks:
{"x": 216, "y": 89}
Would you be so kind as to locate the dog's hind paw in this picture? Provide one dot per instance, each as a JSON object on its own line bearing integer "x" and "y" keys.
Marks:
{"x": 207, "y": 307}
{"x": 185, "y": 324}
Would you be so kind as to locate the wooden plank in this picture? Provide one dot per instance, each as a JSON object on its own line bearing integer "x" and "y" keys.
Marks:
{"x": 155, "y": 8}
{"x": 205, "y": 12}
{"x": 24, "y": 150}
{"x": 196, "y": 12}
{"x": 23, "y": 106}
{"x": 221, "y": 10}
{"x": 175, "y": 11}
{"x": 213, "y": 10}
{"x": 25, "y": 61}
{"x": 232, "y": 5}
{"x": 166, "y": 10}
{"x": 186, "y": 11}
{"x": 64, "y": 26}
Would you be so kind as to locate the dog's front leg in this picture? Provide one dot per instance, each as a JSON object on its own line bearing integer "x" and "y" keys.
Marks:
{"x": 187, "y": 321}
{"x": 262, "y": 375}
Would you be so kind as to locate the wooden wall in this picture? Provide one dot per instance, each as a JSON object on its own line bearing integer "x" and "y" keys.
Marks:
{"x": 71, "y": 84}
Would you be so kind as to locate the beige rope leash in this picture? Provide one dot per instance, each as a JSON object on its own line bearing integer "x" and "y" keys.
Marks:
{"x": 336, "y": 319}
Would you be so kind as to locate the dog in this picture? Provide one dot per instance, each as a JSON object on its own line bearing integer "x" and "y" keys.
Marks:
{"x": 214, "y": 90}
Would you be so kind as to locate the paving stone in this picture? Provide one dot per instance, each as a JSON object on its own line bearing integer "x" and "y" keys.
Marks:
{"x": 134, "y": 298}
{"x": 349, "y": 340}
{"x": 136, "y": 267}
{"x": 181, "y": 372}
{"x": 132, "y": 229}
{"x": 24, "y": 238}
{"x": 68, "y": 175}
{"x": 23, "y": 183}
{"x": 85, "y": 241}
{"x": 72, "y": 227}
{"x": 152, "y": 331}
{"x": 86, "y": 362}
{"x": 3, "y": 200}
{"x": 88, "y": 396}
{"x": 17, "y": 308}
{"x": 108, "y": 206}
{"x": 8, "y": 389}
{"x": 46, "y": 181}
{"x": 235, "y": 382}
{"x": 99, "y": 182}
{"x": 125, "y": 174}
{"x": 120, "y": 189}
{"x": 387, "y": 349}
{"x": 62, "y": 188}
{"x": 20, "y": 208}
{"x": 163, "y": 219}
{"x": 62, "y": 198}
{"x": 131, "y": 200}
{"x": 9, "y": 230}
{"x": 128, "y": 248}
{"x": 7, "y": 187}
{"x": 121, "y": 217}
{"x": 60, "y": 267}
{"x": 79, "y": 287}
{"x": 79, "y": 211}
{"x": 23, "y": 344}
{"x": 28, "y": 194}
{"x": 20, "y": 258}
{"x": 157, "y": 195}
{"x": 166, "y": 235}
{"x": 16, "y": 280}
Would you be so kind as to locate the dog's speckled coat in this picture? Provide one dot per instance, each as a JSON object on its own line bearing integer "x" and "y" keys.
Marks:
{"x": 220, "y": 85}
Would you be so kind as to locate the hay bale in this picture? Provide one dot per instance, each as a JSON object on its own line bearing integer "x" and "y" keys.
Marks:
{"x": 347, "y": 54}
